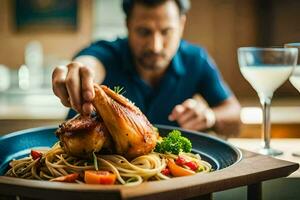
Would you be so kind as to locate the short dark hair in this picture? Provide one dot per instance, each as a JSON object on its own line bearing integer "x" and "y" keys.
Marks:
{"x": 183, "y": 5}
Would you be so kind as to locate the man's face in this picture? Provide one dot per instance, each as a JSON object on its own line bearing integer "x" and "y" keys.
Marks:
{"x": 154, "y": 34}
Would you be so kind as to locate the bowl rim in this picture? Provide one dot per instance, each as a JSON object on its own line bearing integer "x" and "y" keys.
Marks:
{"x": 37, "y": 184}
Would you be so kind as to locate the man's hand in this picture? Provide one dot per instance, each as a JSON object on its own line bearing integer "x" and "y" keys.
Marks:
{"x": 193, "y": 115}
{"x": 73, "y": 84}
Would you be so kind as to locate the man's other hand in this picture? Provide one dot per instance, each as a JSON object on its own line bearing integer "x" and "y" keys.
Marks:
{"x": 193, "y": 115}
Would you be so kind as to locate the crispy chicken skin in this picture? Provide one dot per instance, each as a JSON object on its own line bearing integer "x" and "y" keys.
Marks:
{"x": 132, "y": 133}
{"x": 83, "y": 135}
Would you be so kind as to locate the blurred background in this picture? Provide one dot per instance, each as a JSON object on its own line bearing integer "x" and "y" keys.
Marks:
{"x": 37, "y": 35}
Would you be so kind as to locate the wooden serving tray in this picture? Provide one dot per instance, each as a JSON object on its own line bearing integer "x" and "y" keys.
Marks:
{"x": 249, "y": 170}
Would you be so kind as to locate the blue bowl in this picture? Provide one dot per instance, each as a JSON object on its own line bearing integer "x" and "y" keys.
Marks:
{"x": 217, "y": 152}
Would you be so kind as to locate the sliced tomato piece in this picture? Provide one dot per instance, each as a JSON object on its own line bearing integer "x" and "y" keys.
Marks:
{"x": 166, "y": 172}
{"x": 35, "y": 154}
{"x": 68, "y": 178}
{"x": 192, "y": 165}
{"x": 180, "y": 161}
{"x": 176, "y": 170}
{"x": 99, "y": 177}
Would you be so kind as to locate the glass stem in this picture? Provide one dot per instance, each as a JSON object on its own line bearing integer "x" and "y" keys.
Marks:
{"x": 266, "y": 128}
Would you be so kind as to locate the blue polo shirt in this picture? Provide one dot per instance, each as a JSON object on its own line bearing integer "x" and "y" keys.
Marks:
{"x": 191, "y": 71}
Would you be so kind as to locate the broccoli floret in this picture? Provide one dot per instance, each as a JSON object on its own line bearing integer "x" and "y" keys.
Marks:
{"x": 174, "y": 143}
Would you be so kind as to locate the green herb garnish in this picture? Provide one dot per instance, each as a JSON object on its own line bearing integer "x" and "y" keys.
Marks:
{"x": 174, "y": 143}
{"x": 118, "y": 89}
{"x": 95, "y": 161}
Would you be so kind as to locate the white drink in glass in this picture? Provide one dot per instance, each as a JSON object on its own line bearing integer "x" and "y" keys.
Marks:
{"x": 295, "y": 81}
{"x": 266, "y": 69}
{"x": 265, "y": 80}
{"x": 295, "y": 78}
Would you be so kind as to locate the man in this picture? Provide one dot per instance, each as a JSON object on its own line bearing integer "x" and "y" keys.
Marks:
{"x": 160, "y": 72}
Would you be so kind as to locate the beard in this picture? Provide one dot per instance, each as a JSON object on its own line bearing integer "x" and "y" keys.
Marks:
{"x": 152, "y": 61}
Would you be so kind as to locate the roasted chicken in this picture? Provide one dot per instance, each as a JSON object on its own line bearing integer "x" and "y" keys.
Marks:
{"x": 132, "y": 133}
{"x": 119, "y": 126}
{"x": 83, "y": 135}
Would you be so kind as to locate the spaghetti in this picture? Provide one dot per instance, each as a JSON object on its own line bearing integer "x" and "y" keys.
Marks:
{"x": 56, "y": 163}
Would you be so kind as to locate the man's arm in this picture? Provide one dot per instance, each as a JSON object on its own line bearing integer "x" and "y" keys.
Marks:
{"x": 73, "y": 83}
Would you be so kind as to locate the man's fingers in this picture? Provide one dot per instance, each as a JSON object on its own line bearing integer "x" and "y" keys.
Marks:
{"x": 176, "y": 112}
{"x": 66, "y": 103}
{"x": 190, "y": 115}
{"x": 186, "y": 116}
{"x": 192, "y": 111}
{"x": 180, "y": 109}
{"x": 87, "y": 81}
{"x": 73, "y": 83}
{"x": 87, "y": 108}
{"x": 59, "y": 86}
{"x": 196, "y": 124}
{"x": 190, "y": 103}
{"x": 73, "y": 86}
{"x": 87, "y": 89}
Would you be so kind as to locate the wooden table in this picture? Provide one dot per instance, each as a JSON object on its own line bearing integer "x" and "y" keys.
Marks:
{"x": 287, "y": 145}
{"x": 251, "y": 171}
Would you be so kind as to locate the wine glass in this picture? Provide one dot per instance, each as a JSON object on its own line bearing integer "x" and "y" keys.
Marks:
{"x": 295, "y": 77}
{"x": 266, "y": 69}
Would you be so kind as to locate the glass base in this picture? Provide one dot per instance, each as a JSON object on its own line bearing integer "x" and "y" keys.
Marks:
{"x": 296, "y": 153}
{"x": 270, "y": 152}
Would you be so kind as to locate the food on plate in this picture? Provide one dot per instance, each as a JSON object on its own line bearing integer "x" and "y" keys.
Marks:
{"x": 132, "y": 133}
{"x": 83, "y": 135}
{"x": 174, "y": 143}
{"x": 114, "y": 145}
